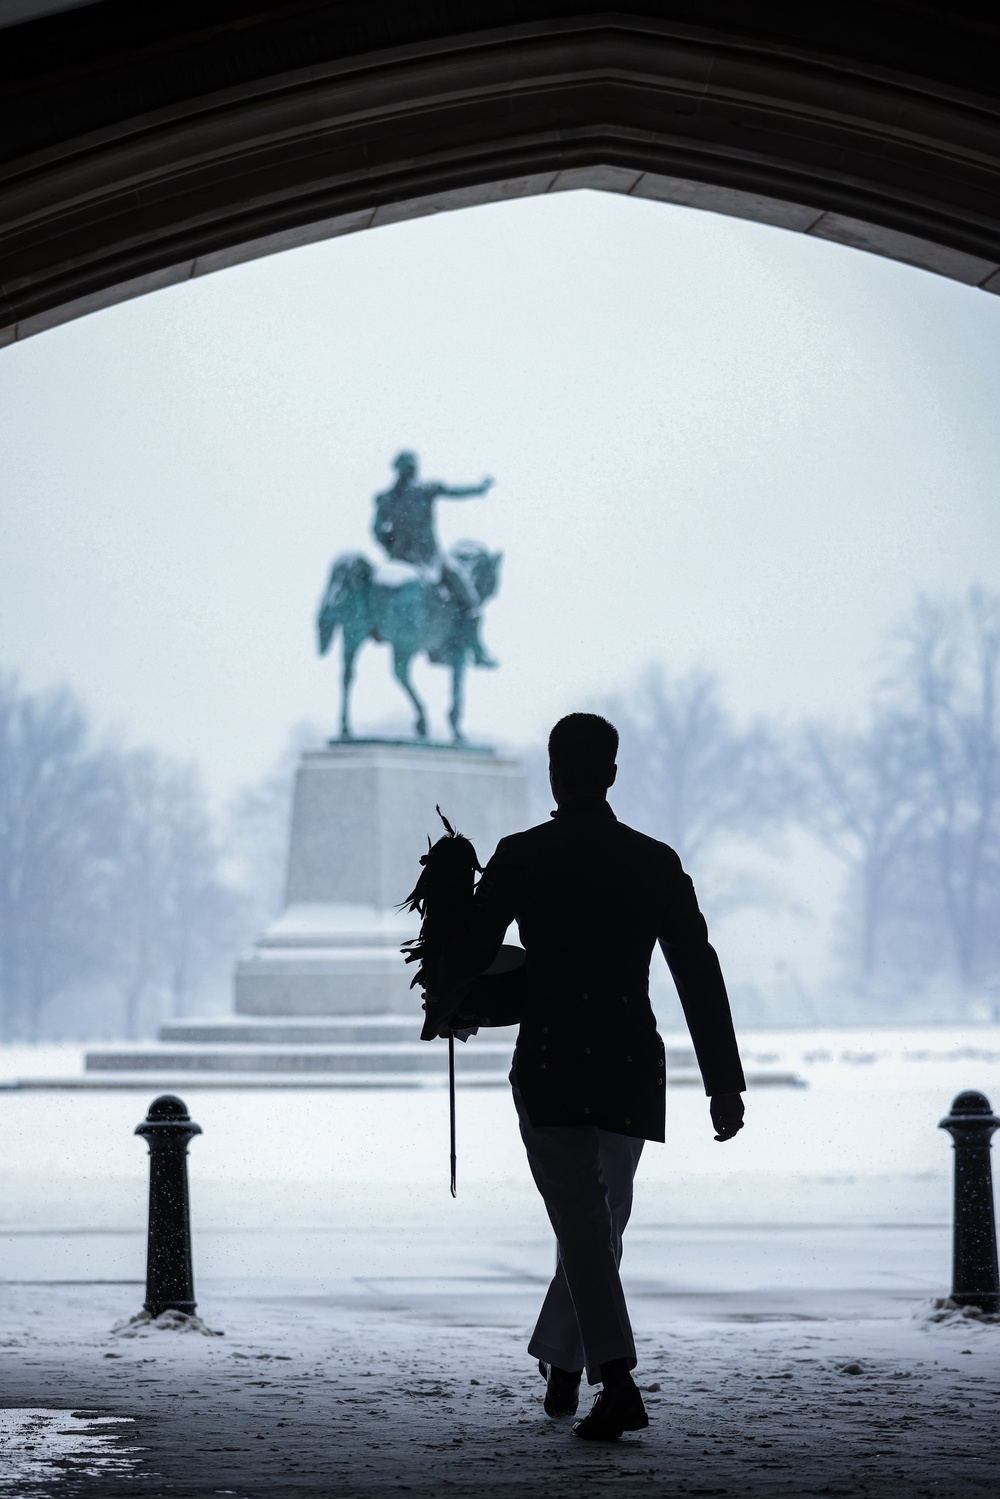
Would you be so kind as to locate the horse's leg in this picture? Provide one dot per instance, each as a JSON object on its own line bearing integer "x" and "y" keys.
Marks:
{"x": 457, "y": 696}
{"x": 352, "y": 644}
{"x": 401, "y": 669}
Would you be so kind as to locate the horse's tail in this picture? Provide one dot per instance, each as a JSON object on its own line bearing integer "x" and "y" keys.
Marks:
{"x": 350, "y": 578}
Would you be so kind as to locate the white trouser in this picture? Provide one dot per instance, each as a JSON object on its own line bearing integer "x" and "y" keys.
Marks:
{"x": 585, "y": 1177}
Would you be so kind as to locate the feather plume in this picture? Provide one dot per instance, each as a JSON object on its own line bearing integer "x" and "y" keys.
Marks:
{"x": 442, "y": 897}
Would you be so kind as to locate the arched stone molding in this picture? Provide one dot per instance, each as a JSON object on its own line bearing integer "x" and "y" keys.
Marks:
{"x": 765, "y": 123}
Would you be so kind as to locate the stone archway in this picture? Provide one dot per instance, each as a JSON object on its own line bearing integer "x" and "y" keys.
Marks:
{"x": 145, "y": 145}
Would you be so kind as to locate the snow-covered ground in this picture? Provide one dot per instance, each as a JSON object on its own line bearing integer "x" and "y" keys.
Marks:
{"x": 328, "y": 1250}
{"x": 858, "y": 1145}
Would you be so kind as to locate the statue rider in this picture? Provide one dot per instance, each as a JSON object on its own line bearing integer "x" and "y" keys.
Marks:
{"x": 404, "y": 528}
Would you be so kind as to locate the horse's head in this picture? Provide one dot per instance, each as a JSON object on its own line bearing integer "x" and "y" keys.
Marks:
{"x": 482, "y": 566}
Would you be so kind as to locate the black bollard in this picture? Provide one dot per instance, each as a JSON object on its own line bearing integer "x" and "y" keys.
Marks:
{"x": 975, "y": 1280}
{"x": 167, "y": 1129}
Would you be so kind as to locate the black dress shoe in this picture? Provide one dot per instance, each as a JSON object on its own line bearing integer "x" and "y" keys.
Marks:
{"x": 562, "y": 1389}
{"x": 613, "y": 1412}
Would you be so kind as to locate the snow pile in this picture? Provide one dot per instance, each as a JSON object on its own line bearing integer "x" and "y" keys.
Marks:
{"x": 142, "y": 1325}
{"x": 943, "y": 1310}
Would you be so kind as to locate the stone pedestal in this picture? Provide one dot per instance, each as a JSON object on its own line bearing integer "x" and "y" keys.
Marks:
{"x": 362, "y": 813}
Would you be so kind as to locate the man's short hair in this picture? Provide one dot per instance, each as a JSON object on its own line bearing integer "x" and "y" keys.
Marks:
{"x": 582, "y": 749}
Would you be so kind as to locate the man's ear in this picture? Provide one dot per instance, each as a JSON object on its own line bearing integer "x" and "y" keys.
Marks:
{"x": 614, "y": 776}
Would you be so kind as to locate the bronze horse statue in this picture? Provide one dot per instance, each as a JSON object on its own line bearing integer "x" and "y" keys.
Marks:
{"x": 412, "y": 609}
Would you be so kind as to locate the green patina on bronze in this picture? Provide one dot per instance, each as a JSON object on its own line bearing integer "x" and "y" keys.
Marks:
{"x": 421, "y": 599}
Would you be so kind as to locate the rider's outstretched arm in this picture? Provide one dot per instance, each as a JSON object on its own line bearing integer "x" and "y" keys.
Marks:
{"x": 464, "y": 491}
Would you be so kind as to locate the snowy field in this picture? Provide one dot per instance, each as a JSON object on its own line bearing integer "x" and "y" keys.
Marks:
{"x": 389, "y": 1321}
{"x": 857, "y": 1147}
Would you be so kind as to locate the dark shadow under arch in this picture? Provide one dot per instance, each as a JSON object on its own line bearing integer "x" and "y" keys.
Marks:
{"x": 143, "y": 145}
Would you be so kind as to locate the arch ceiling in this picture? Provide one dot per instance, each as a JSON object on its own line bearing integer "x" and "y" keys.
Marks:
{"x": 142, "y": 144}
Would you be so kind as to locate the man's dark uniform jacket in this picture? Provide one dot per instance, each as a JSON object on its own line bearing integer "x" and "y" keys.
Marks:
{"x": 591, "y": 898}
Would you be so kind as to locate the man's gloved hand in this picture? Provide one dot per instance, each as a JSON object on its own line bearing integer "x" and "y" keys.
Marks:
{"x": 727, "y": 1114}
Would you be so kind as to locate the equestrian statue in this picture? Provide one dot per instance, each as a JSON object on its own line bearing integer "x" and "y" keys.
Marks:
{"x": 419, "y": 599}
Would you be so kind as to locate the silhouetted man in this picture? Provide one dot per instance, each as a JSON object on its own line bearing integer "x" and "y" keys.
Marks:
{"x": 591, "y": 898}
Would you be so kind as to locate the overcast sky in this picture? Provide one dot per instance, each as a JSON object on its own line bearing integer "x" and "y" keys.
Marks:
{"x": 715, "y": 444}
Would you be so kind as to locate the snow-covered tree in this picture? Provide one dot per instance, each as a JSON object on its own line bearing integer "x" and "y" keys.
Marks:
{"x": 57, "y": 841}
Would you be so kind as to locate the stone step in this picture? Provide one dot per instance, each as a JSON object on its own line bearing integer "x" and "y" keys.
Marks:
{"x": 245, "y": 1053}
{"x": 154, "y": 1081}
{"x": 388, "y": 1057}
{"x": 151, "y": 1082}
{"x": 280, "y": 1031}
{"x": 347, "y": 1031}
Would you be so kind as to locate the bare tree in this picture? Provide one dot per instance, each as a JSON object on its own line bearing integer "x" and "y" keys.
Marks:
{"x": 57, "y": 838}
{"x": 172, "y": 918}
{"x": 912, "y": 803}
{"x": 948, "y": 678}
{"x": 203, "y": 914}
{"x": 865, "y": 797}
{"x": 111, "y": 880}
{"x": 257, "y": 830}
{"x": 695, "y": 779}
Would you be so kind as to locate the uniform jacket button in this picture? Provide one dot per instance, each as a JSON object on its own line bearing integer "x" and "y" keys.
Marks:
{"x": 586, "y": 1111}
{"x": 544, "y": 1065}
{"x": 659, "y": 1082}
{"x": 586, "y": 1051}
{"x": 543, "y": 1047}
{"x": 585, "y": 995}
{"x": 624, "y": 999}
{"x": 545, "y": 1030}
{"x": 628, "y": 1059}
{"x": 628, "y": 1121}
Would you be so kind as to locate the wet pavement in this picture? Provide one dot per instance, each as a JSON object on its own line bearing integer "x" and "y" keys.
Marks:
{"x": 375, "y": 1388}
